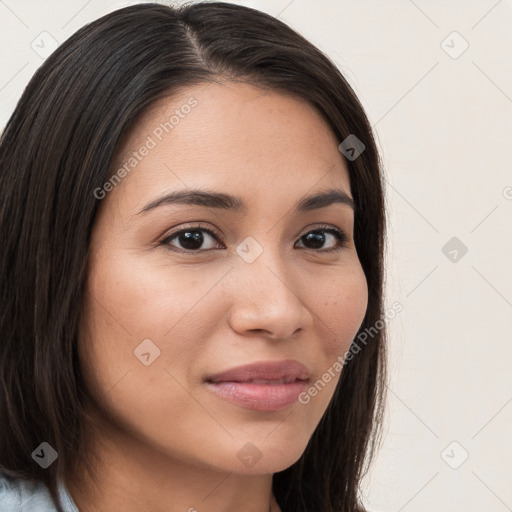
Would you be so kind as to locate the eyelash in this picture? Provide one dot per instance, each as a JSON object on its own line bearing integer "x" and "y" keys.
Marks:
{"x": 341, "y": 237}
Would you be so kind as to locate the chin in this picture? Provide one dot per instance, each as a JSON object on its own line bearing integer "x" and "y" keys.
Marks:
{"x": 264, "y": 456}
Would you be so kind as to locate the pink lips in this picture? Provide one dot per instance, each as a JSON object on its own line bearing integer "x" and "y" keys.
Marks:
{"x": 265, "y": 386}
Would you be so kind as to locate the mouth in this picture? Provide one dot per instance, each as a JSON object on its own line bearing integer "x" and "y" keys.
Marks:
{"x": 266, "y": 386}
{"x": 262, "y": 381}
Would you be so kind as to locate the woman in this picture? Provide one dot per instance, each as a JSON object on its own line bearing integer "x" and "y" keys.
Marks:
{"x": 193, "y": 227}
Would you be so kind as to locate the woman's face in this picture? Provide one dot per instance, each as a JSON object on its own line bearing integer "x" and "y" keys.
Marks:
{"x": 166, "y": 312}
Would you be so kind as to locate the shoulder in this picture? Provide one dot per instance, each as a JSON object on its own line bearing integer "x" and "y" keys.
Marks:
{"x": 19, "y": 495}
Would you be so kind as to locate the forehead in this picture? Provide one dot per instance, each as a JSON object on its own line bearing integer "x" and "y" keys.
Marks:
{"x": 232, "y": 137}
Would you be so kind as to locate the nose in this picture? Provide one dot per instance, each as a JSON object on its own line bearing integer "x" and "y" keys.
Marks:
{"x": 266, "y": 300}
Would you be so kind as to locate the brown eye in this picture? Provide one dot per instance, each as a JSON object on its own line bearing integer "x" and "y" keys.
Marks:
{"x": 191, "y": 239}
{"x": 194, "y": 239}
{"x": 316, "y": 239}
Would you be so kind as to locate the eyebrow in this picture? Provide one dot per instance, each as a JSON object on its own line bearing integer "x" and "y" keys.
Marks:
{"x": 228, "y": 202}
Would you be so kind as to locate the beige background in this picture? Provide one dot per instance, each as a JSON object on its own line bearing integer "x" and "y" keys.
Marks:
{"x": 444, "y": 124}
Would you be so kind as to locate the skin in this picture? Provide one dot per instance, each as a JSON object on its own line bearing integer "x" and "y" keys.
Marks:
{"x": 164, "y": 441}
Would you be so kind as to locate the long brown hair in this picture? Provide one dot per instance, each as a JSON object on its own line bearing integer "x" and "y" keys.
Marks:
{"x": 57, "y": 148}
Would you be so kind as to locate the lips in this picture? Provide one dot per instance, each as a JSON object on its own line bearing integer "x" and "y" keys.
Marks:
{"x": 265, "y": 387}
{"x": 269, "y": 372}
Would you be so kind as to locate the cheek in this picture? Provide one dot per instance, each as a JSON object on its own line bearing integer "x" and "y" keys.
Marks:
{"x": 133, "y": 299}
{"x": 139, "y": 299}
{"x": 127, "y": 304}
{"x": 342, "y": 306}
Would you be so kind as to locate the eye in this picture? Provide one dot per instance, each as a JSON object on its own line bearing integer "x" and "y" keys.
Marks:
{"x": 191, "y": 239}
{"x": 316, "y": 238}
